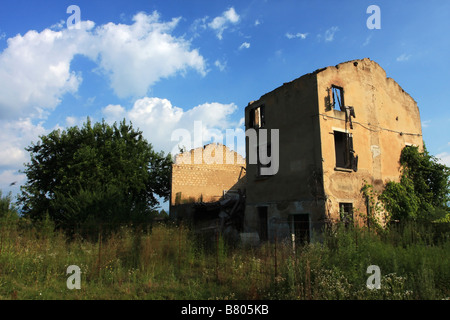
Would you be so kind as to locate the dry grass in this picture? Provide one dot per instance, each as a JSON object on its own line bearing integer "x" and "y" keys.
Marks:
{"x": 168, "y": 262}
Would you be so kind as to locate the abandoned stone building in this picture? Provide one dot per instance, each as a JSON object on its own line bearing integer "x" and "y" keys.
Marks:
{"x": 208, "y": 188}
{"x": 330, "y": 131}
{"x": 339, "y": 128}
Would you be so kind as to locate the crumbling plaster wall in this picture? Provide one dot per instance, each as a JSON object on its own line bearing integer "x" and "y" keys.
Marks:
{"x": 387, "y": 119}
{"x": 296, "y": 187}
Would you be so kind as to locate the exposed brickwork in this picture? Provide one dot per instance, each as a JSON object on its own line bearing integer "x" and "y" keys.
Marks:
{"x": 198, "y": 175}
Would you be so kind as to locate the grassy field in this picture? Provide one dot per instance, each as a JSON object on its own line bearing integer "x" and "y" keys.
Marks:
{"x": 168, "y": 262}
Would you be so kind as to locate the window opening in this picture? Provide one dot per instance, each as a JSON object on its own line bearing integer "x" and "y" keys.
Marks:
{"x": 346, "y": 213}
{"x": 338, "y": 97}
{"x": 345, "y": 155}
{"x": 257, "y": 117}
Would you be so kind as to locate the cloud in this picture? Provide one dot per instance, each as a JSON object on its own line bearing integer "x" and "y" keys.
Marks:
{"x": 71, "y": 121}
{"x": 198, "y": 25}
{"x": 297, "y": 35}
{"x": 444, "y": 158}
{"x": 116, "y": 112}
{"x": 403, "y": 57}
{"x": 58, "y": 26}
{"x": 220, "y": 23}
{"x": 35, "y": 74}
{"x": 220, "y": 65}
{"x": 35, "y": 71}
{"x": 90, "y": 101}
{"x": 329, "y": 34}
{"x": 15, "y": 136}
{"x": 35, "y": 68}
{"x": 257, "y": 23}
{"x": 244, "y": 45}
{"x": 367, "y": 40}
{"x": 157, "y": 118}
{"x": 10, "y": 181}
{"x": 136, "y": 56}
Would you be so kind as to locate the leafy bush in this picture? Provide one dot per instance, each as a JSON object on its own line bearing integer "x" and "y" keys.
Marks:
{"x": 423, "y": 192}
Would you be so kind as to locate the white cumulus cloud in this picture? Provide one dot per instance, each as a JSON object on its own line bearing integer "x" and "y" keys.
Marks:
{"x": 15, "y": 136}
{"x": 220, "y": 23}
{"x": 157, "y": 118}
{"x": 114, "y": 112}
{"x": 136, "y": 56}
{"x": 35, "y": 67}
{"x": 35, "y": 71}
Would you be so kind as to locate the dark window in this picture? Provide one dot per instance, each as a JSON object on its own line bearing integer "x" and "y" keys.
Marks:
{"x": 338, "y": 97}
{"x": 345, "y": 155}
{"x": 263, "y": 229}
{"x": 257, "y": 117}
{"x": 340, "y": 148}
{"x": 251, "y": 118}
{"x": 346, "y": 213}
{"x": 299, "y": 225}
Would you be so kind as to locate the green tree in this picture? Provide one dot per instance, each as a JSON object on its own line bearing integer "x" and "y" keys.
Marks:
{"x": 97, "y": 173}
{"x": 423, "y": 190}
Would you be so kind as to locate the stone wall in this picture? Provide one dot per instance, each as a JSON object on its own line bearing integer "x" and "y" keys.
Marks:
{"x": 205, "y": 173}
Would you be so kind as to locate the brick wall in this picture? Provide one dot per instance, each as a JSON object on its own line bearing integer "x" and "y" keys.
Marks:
{"x": 205, "y": 173}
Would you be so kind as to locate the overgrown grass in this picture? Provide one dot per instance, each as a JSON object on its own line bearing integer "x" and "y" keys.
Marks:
{"x": 168, "y": 262}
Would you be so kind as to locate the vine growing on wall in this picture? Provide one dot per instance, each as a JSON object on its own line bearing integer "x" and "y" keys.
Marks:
{"x": 377, "y": 216}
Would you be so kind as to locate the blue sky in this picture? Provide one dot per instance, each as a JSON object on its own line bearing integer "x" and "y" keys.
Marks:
{"x": 165, "y": 64}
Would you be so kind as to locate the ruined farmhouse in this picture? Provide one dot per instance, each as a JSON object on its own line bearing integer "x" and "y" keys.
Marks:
{"x": 208, "y": 188}
{"x": 337, "y": 129}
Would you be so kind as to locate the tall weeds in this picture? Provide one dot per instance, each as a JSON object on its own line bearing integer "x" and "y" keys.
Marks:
{"x": 170, "y": 262}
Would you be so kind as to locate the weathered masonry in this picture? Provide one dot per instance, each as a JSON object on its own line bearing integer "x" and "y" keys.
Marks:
{"x": 208, "y": 188}
{"x": 339, "y": 128}
{"x": 204, "y": 174}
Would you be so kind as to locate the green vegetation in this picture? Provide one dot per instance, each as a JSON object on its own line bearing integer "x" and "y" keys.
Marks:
{"x": 101, "y": 184}
{"x": 169, "y": 262}
{"x": 423, "y": 193}
{"x": 94, "y": 174}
